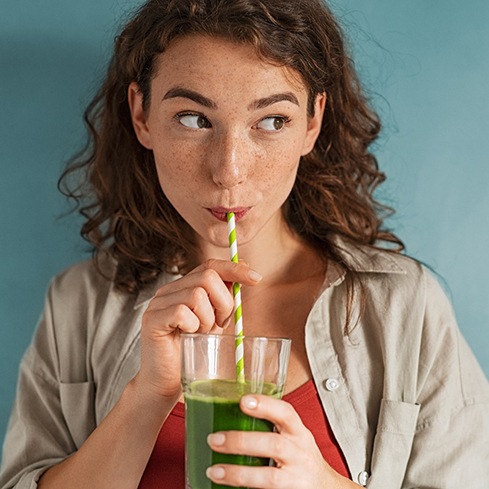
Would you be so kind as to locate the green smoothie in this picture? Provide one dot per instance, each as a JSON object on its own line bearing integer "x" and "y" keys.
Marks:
{"x": 213, "y": 405}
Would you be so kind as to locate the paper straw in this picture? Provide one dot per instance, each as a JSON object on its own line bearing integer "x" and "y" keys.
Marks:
{"x": 238, "y": 312}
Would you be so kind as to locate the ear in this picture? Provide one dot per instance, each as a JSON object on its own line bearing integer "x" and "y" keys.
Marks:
{"x": 138, "y": 115}
{"x": 314, "y": 124}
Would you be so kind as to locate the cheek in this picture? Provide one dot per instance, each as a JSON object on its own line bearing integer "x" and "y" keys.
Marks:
{"x": 174, "y": 162}
{"x": 283, "y": 164}
{"x": 173, "y": 176}
{"x": 277, "y": 174}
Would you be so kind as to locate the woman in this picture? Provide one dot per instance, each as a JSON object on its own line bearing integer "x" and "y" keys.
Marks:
{"x": 252, "y": 107}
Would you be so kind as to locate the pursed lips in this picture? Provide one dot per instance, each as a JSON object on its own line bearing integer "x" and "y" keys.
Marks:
{"x": 221, "y": 212}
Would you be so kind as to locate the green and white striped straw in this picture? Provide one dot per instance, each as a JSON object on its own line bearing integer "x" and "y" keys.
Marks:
{"x": 238, "y": 312}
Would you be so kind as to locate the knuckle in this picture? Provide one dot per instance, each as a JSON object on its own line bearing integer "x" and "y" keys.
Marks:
{"x": 209, "y": 264}
{"x": 198, "y": 295}
{"x": 209, "y": 276}
{"x": 239, "y": 441}
{"x": 180, "y": 314}
{"x": 242, "y": 267}
{"x": 238, "y": 479}
{"x": 290, "y": 415}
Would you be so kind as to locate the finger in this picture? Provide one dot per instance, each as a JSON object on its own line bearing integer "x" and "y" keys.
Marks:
{"x": 253, "y": 443}
{"x": 216, "y": 289}
{"x": 244, "y": 476}
{"x": 230, "y": 272}
{"x": 215, "y": 276}
{"x": 176, "y": 316}
{"x": 217, "y": 295}
{"x": 280, "y": 413}
{"x": 217, "y": 329}
{"x": 196, "y": 299}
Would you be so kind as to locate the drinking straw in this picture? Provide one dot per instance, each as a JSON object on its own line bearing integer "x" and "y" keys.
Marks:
{"x": 238, "y": 313}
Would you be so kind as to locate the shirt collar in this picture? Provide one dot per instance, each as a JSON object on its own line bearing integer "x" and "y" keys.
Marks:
{"x": 363, "y": 259}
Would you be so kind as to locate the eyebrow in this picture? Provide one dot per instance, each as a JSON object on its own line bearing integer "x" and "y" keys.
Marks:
{"x": 273, "y": 99}
{"x": 179, "y": 92}
{"x": 190, "y": 94}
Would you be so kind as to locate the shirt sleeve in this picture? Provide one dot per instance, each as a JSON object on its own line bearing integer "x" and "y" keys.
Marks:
{"x": 37, "y": 435}
{"x": 451, "y": 443}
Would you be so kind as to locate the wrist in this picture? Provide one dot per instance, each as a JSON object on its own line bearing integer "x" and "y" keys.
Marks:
{"x": 144, "y": 399}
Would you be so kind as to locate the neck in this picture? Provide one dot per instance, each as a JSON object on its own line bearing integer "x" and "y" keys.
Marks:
{"x": 276, "y": 252}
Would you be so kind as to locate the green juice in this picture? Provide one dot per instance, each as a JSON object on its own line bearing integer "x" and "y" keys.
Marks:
{"x": 213, "y": 405}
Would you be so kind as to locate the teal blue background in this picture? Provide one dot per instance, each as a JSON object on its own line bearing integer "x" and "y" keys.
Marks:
{"x": 425, "y": 63}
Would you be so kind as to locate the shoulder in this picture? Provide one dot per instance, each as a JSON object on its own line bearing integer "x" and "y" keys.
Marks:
{"x": 79, "y": 295}
{"x": 409, "y": 281}
{"x": 384, "y": 268}
{"x": 87, "y": 274}
{"x": 400, "y": 288}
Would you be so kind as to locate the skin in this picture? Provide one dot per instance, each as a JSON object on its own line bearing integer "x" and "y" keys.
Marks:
{"x": 227, "y": 131}
{"x": 238, "y": 159}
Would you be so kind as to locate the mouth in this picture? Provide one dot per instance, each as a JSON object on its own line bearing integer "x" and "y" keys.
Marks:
{"x": 220, "y": 213}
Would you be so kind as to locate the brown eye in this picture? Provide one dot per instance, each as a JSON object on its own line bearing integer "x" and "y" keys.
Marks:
{"x": 202, "y": 122}
{"x": 194, "y": 121}
{"x": 278, "y": 123}
{"x": 273, "y": 123}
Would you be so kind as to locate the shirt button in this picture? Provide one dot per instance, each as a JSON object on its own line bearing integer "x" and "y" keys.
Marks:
{"x": 363, "y": 478}
{"x": 331, "y": 384}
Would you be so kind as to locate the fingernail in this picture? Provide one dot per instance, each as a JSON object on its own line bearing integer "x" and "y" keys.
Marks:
{"x": 250, "y": 402}
{"x": 216, "y": 439}
{"x": 215, "y": 473}
{"x": 255, "y": 276}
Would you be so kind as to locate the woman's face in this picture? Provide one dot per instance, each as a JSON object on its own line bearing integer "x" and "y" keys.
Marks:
{"x": 227, "y": 131}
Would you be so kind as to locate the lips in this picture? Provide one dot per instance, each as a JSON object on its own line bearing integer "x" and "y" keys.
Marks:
{"x": 220, "y": 212}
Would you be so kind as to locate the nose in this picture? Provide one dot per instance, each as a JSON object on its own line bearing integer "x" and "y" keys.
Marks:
{"x": 230, "y": 158}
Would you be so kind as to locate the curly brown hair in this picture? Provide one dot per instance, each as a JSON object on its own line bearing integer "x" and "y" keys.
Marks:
{"x": 126, "y": 211}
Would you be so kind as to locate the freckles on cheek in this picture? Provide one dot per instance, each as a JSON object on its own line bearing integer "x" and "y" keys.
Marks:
{"x": 173, "y": 162}
{"x": 286, "y": 162}
{"x": 265, "y": 171}
{"x": 276, "y": 176}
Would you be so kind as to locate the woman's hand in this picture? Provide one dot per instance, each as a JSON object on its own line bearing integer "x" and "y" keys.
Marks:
{"x": 201, "y": 301}
{"x": 299, "y": 462}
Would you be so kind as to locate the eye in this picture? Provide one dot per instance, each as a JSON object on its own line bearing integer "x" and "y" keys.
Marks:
{"x": 273, "y": 123}
{"x": 193, "y": 121}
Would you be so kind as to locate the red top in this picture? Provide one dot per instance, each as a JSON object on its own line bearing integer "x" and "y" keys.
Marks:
{"x": 166, "y": 467}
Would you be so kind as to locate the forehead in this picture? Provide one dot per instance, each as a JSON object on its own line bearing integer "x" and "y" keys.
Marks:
{"x": 209, "y": 60}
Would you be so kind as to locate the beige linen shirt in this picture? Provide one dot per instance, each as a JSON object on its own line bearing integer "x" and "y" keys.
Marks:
{"x": 404, "y": 395}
